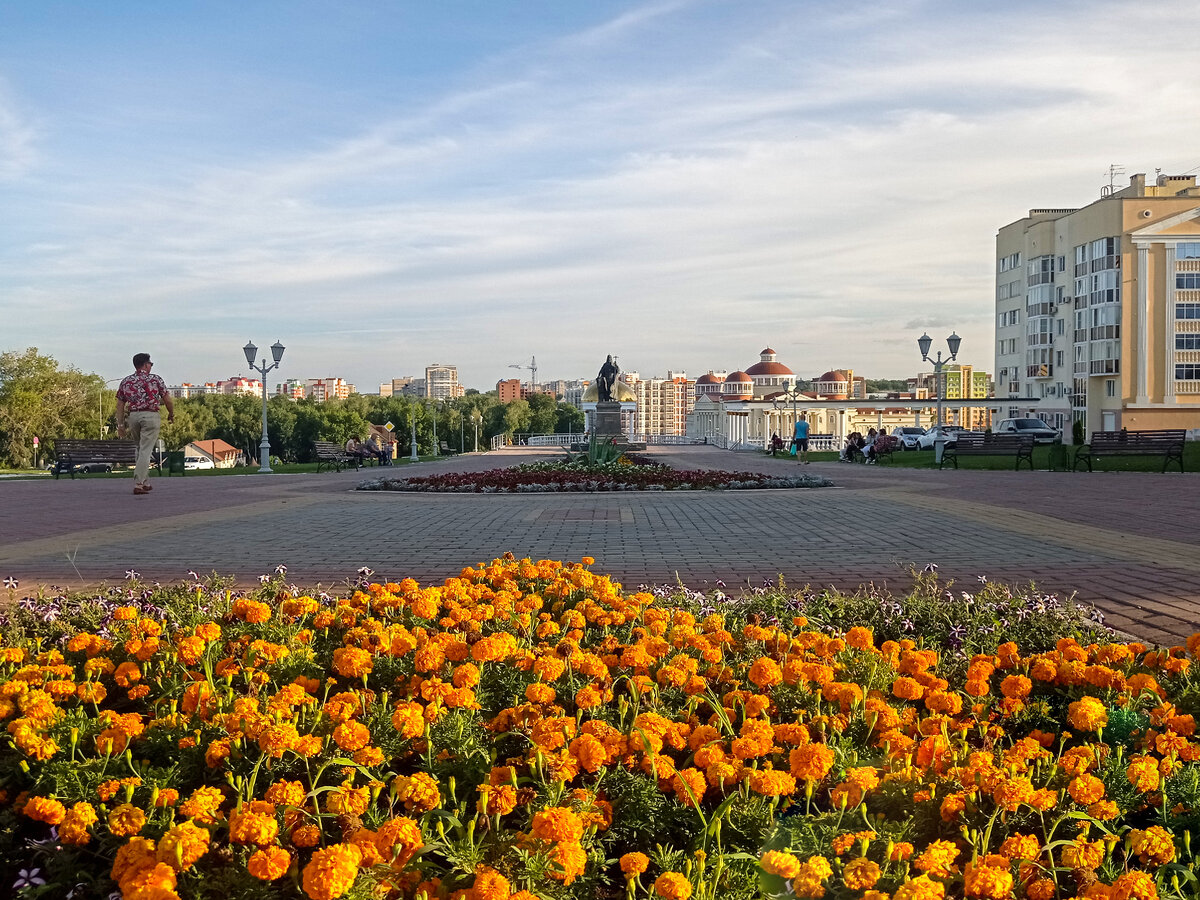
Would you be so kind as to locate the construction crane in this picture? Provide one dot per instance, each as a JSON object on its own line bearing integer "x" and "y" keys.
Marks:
{"x": 532, "y": 367}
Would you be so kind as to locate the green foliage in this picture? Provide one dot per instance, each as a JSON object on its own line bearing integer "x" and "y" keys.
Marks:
{"x": 38, "y": 398}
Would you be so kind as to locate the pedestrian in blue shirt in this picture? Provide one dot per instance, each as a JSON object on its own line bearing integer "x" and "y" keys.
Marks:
{"x": 800, "y": 439}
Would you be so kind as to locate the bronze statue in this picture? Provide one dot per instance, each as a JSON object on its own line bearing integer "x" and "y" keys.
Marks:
{"x": 606, "y": 379}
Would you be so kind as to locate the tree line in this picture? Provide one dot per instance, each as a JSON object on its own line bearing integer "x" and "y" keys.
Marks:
{"x": 39, "y": 398}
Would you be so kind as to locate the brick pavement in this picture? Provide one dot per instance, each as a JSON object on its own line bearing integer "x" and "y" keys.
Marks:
{"x": 1121, "y": 540}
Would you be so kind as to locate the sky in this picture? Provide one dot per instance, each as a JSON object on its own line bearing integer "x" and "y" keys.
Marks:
{"x": 680, "y": 183}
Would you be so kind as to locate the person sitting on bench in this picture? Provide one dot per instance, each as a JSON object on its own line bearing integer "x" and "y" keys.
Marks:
{"x": 357, "y": 451}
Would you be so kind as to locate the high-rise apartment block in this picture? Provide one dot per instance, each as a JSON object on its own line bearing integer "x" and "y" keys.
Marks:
{"x": 508, "y": 390}
{"x": 1098, "y": 310}
{"x": 663, "y": 404}
{"x": 321, "y": 389}
{"x": 441, "y": 382}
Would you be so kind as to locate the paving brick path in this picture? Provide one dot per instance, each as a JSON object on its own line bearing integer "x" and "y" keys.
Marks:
{"x": 1124, "y": 541}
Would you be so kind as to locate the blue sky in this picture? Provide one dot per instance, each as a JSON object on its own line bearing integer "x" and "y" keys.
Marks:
{"x": 384, "y": 185}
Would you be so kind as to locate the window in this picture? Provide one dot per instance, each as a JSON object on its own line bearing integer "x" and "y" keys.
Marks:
{"x": 1187, "y": 371}
{"x": 1187, "y": 342}
{"x": 1040, "y": 270}
{"x": 1010, "y": 262}
{"x": 1062, "y": 264}
{"x": 1187, "y": 281}
{"x": 1187, "y": 251}
{"x": 1058, "y": 358}
{"x": 1187, "y": 310}
{"x": 1110, "y": 387}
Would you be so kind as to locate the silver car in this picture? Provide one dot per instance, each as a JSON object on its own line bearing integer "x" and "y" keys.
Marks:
{"x": 1042, "y": 433}
{"x": 909, "y": 436}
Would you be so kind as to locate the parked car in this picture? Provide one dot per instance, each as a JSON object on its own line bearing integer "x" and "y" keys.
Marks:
{"x": 197, "y": 462}
{"x": 947, "y": 434}
{"x": 1042, "y": 433}
{"x": 909, "y": 436}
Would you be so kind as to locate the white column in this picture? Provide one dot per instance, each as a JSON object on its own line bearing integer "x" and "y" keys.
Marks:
{"x": 1169, "y": 327}
{"x": 1142, "y": 320}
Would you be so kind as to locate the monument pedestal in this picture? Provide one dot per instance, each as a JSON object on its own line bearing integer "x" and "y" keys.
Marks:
{"x": 607, "y": 425}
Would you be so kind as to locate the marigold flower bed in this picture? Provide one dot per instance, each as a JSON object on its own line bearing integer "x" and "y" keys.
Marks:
{"x": 546, "y": 477}
{"x": 530, "y": 729}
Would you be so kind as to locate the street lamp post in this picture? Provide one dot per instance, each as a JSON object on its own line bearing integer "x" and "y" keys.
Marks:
{"x": 264, "y": 447}
{"x": 476, "y": 418}
{"x": 952, "y": 342}
{"x": 436, "y": 405}
{"x": 791, "y": 393}
{"x": 412, "y": 411}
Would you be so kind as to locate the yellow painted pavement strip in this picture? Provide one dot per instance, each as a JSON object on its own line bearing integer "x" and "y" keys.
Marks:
{"x": 1104, "y": 542}
{"x": 150, "y": 529}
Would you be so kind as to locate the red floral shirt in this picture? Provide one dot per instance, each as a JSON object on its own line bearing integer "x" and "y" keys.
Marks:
{"x": 143, "y": 392}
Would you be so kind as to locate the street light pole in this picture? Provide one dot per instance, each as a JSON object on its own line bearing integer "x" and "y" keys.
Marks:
{"x": 436, "y": 404}
{"x": 264, "y": 447}
{"x": 952, "y": 342}
{"x": 792, "y": 393}
{"x": 413, "y": 414}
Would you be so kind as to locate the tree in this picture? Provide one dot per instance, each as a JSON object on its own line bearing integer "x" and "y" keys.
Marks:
{"x": 568, "y": 419}
{"x": 543, "y": 413}
{"x": 40, "y": 399}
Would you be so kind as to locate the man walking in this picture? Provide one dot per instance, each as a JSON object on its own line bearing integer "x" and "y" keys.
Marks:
{"x": 138, "y": 398}
{"x": 800, "y": 439}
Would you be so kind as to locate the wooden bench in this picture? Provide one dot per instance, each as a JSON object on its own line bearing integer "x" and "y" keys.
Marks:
{"x": 1167, "y": 443}
{"x": 71, "y": 456}
{"x": 970, "y": 443}
{"x": 446, "y": 450}
{"x": 332, "y": 456}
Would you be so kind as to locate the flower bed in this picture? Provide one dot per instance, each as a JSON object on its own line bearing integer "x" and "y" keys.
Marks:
{"x": 555, "y": 477}
{"x": 532, "y": 730}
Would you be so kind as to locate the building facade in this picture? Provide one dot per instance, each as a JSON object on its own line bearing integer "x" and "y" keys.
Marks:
{"x": 441, "y": 382}
{"x": 1098, "y": 310}
{"x": 663, "y": 404}
{"x": 321, "y": 389}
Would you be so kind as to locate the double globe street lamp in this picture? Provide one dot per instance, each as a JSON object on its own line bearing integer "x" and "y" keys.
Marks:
{"x": 952, "y": 342}
{"x": 264, "y": 447}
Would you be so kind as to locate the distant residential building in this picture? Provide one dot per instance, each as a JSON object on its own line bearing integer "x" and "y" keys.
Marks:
{"x": 1098, "y": 310}
{"x": 960, "y": 382}
{"x": 321, "y": 389}
{"x": 508, "y": 390}
{"x": 573, "y": 392}
{"x": 187, "y": 389}
{"x": 240, "y": 385}
{"x": 395, "y": 387}
{"x": 292, "y": 389}
{"x": 415, "y": 388}
{"x": 663, "y": 404}
{"x": 441, "y": 382}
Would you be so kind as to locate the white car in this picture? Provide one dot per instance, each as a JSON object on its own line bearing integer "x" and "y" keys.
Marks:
{"x": 909, "y": 436}
{"x": 948, "y": 434}
{"x": 198, "y": 462}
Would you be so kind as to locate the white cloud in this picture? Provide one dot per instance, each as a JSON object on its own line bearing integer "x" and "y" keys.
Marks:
{"x": 832, "y": 201}
{"x": 17, "y": 138}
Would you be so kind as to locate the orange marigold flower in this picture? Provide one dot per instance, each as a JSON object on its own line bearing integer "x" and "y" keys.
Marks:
{"x": 557, "y": 823}
{"x": 269, "y": 863}
{"x": 778, "y": 862}
{"x": 352, "y": 735}
{"x": 182, "y": 845}
{"x": 1085, "y": 789}
{"x": 45, "y": 809}
{"x": 75, "y": 824}
{"x": 861, "y": 874}
{"x": 772, "y": 783}
{"x": 419, "y": 792}
{"x": 489, "y": 885}
{"x": 1142, "y": 773}
{"x": 253, "y": 823}
{"x": 938, "y": 859}
{"x": 1154, "y": 846}
{"x": 765, "y": 673}
{"x": 125, "y": 820}
{"x": 286, "y": 793}
{"x": 1087, "y": 714}
{"x": 203, "y": 805}
{"x": 634, "y": 864}
{"x": 1134, "y": 886}
{"x": 331, "y": 872}
{"x": 989, "y": 882}
{"x": 672, "y": 886}
{"x": 352, "y": 662}
{"x": 1016, "y": 686}
{"x": 920, "y": 888}
{"x": 811, "y": 762}
{"x": 408, "y": 718}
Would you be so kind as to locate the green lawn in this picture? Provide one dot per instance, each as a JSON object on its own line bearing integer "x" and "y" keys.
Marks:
{"x": 923, "y": 459}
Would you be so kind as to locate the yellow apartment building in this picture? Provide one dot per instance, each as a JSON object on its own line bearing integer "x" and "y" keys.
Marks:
{"x": 1098, "y": 310}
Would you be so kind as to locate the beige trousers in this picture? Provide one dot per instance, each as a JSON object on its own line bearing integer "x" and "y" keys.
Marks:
{"x": 143, "y": 428}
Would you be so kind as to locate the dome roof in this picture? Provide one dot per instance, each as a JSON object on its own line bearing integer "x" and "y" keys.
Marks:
{"x": 834, "y": 375}
{"x": 710, "y": 378}
{"x": 766, "y": 351}
{"x": 740, "y": 377}
{"x": 769, "y": 368}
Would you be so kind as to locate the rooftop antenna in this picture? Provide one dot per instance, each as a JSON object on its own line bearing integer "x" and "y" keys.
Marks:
{"x": 532, "y": 367}
{"x": 1113, "y": 171}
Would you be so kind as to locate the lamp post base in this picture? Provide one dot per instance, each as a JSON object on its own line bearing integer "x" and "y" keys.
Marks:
{"x": 264, "y": 458}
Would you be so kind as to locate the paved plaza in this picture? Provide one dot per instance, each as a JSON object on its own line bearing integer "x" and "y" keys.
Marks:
{"x": 1127, "y": 542}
